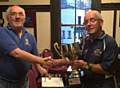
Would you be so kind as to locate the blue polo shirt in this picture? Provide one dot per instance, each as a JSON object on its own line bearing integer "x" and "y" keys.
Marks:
{"x": 103, "y": 50}
{"x": 12, "y": 68}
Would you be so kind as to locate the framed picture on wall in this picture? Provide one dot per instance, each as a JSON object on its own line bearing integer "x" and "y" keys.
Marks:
{"x": 30, "y": 18}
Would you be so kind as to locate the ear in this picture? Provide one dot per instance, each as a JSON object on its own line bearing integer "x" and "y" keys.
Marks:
{"x": 101, "y": 23}
{"x": 7, "y": 17}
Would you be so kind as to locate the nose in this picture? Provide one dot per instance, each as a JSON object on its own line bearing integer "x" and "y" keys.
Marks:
{"x": 88, "y": 23}
{"x": 17, "y": 15}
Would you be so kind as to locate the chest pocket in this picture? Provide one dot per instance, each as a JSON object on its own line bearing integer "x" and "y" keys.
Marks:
{"x": 98, "y": 51}
{"x": 26, "y": 45}
{"x": 94, "y": 53}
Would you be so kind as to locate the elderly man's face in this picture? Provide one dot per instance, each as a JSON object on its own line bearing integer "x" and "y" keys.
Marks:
{"x": 16, "y": 17}
{"x": 92, "y": 23}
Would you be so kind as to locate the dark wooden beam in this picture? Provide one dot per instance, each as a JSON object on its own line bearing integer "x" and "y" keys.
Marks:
{"x": 110, "y": 6}
{"x": 114, "y": 23}
{"x": 55, "y": 25}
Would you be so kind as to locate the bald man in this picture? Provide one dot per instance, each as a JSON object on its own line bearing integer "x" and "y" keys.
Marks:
{"x": 17, "y": 51}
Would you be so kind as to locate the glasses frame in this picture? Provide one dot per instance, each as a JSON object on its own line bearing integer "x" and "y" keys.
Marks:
{"x": 90, "y": 21}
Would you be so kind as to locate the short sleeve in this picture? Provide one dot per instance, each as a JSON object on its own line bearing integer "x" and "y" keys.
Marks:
{"x": 7, "y": 44}
{"x": 110, "y": 53}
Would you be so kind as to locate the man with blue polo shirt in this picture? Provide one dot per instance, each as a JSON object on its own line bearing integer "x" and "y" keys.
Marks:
{"x": 99, "y": 52}
{"x": 17, "y": 48}
{"x": 97, "y": 55}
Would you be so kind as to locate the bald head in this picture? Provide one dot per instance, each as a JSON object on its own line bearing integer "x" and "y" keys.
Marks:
{"x": 8, "y": 11}
{"x": 96, "y": 14}
{"x": 16, "y": 17}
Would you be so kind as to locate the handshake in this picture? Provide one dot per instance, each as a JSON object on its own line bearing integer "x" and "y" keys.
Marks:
{"x": 51, "y": 63}
{"x": 76, "y": 64}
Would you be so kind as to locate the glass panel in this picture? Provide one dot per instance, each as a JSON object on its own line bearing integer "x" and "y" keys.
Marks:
{"x": 71, "y": 34}
{"x": 67, "y": 34}
{"x": 80, "y": 16}
{"x": 68, "y": 16}
{"x": 67, "y": 12}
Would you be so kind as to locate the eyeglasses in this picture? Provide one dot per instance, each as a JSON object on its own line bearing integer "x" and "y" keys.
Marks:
{"x": 91, "y": 21}
{"x": 14, "y": 14}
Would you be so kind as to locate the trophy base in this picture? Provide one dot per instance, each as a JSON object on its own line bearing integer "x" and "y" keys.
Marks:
{"x": 74, "y": 81}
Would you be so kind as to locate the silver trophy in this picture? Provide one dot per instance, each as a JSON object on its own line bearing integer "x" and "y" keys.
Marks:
{"x": 73, "y": 54}
{"x": 71, "y": 51}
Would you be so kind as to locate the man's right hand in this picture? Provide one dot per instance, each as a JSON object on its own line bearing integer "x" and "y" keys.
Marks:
{"x": 48, "y": 63}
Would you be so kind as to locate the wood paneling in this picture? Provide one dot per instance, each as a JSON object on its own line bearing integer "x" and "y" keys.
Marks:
{"x": 4, "y": 0}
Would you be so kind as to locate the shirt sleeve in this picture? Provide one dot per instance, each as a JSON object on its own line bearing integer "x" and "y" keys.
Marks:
{"x": 110, "y": 54}
{"x": 7, "y": 44}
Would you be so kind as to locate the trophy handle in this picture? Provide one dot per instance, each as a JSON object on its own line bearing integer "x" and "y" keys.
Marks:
{"x": 61, "y": 50}
{"x": 57, "y": 49}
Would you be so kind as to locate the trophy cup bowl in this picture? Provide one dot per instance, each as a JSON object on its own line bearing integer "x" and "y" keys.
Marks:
{"x": 72, "y": 51}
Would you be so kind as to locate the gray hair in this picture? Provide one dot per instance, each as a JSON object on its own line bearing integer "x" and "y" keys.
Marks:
{"x": 97, "y": 14}
{"x": 10, "y": 7}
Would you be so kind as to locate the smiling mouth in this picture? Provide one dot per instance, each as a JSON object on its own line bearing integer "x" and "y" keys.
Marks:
{"x": 18, "y": 22}
{"x": 90, "y": 28}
